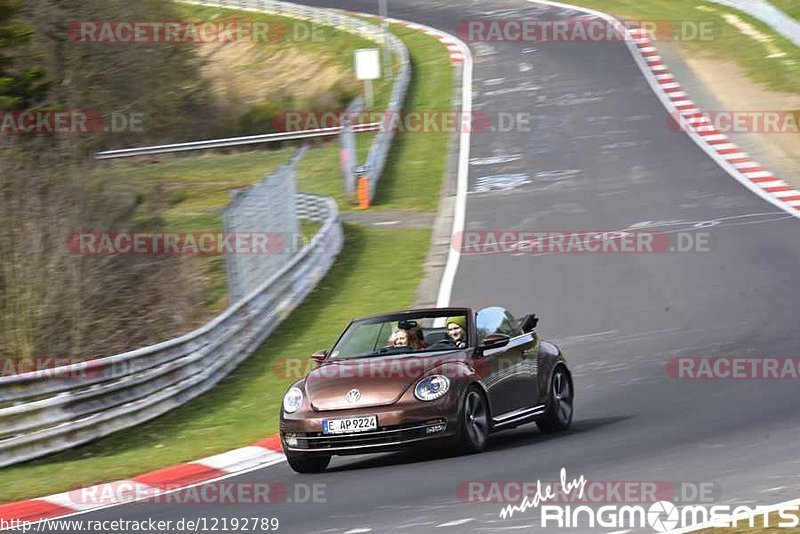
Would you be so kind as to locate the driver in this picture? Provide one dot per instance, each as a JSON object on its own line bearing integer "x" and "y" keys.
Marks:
{"x": 457, "y": 330}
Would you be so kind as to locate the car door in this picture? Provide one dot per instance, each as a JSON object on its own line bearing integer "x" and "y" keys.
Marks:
{"x": 509, "y": 366}
{"x": 529, "y": 369}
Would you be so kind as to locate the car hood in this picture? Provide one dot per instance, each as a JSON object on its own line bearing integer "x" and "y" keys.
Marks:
{"x": 380, "y": 380}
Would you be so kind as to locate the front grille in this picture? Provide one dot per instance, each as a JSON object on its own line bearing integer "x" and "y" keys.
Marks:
{"x": 383, "y": 436}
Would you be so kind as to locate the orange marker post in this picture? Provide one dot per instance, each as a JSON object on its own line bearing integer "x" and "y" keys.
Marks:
{"x": 363, "y": 192}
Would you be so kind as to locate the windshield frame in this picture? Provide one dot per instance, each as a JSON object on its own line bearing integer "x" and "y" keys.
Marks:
{"x": 433, "y": 313}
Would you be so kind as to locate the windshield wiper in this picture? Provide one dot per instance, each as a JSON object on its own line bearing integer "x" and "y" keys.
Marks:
{"x": 386, "y": 350}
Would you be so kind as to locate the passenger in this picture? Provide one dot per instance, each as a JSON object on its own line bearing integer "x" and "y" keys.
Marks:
{"x": 412, "y": 337}
{"x": 457, "y": 330}
{"x": 416, "y": 339}
{"x": 400, "y": 338}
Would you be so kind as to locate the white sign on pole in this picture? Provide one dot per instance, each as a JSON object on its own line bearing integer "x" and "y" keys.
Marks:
{"x": 368, "y": 64}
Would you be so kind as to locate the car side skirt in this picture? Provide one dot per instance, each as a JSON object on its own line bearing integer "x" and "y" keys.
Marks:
{"x": 517, "y": 417}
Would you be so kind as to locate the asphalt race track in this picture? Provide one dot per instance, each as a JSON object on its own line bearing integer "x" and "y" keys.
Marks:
{"x": 598, "y": 157}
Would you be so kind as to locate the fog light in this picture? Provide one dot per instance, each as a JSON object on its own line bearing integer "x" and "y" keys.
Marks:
{"x": 436, "y": 428}
{"x": 292, "y": 442}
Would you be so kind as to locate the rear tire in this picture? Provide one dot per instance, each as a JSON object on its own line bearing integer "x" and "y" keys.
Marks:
{"x": 474, "y": 433}
{"x": 308, "y": 464}
{"x": 558, "y": 415}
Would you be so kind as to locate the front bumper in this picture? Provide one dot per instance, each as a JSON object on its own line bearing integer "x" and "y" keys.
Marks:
{"x": 374, "y": 441}
{"x": 403, "y": 425}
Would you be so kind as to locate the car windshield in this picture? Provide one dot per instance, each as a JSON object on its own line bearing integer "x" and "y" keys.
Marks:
{"x": 403, "y": 333}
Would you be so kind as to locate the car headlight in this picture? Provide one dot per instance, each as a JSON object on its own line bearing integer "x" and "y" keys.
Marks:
{"x": 431, "y": 387}
{"x": 292, "y": 400}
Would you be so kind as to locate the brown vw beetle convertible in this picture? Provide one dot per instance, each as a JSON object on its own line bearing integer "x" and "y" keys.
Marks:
{"x": 447, "y": 376}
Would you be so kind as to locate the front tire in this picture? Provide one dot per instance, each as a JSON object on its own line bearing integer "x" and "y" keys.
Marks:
{"x": 474, "y": 422}
{"x": 558, "y": 416}
{"x": 308, "y": 464}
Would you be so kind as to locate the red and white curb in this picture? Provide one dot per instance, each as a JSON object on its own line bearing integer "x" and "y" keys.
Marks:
{"x": 688, "y": 116}
{"x": 453, "y": 45}
{"x": 148, "y": 486}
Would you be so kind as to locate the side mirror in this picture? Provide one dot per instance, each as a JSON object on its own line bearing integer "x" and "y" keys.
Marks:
{"x": 528, "y": 323}
{"x": 495, "y": 341}
{"x": 319, "y": 356}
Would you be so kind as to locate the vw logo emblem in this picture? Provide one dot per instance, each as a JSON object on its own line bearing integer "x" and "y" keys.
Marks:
{"x": 352, "y": 396}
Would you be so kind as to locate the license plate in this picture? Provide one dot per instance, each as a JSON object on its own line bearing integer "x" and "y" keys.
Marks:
{"x": 350, "y": 425}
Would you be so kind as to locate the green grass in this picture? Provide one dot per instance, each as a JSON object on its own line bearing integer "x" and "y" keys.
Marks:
{"x": 327, "y": 43}
{"x": 244, "y": 407}
{"x": 417, "y": 161}
{"x": 728, "y": 43}
{"x": 790, "y": 7}
{"x": 189, "y": 193}
{"x": 196, "y": 187}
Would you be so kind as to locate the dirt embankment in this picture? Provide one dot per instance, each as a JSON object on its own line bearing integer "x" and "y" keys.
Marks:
{"x": 735, "y": 91}
{"x": 256, "y": 84}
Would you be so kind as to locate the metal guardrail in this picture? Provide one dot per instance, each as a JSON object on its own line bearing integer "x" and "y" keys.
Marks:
{"x": 268, "y": 207}
{"x": 43, "y": 412}
{"x": 230, "y": 142}
{"x": 50, "y": 411}
{"x": 379, "y": 150}
{"x": 769, "y": 15}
